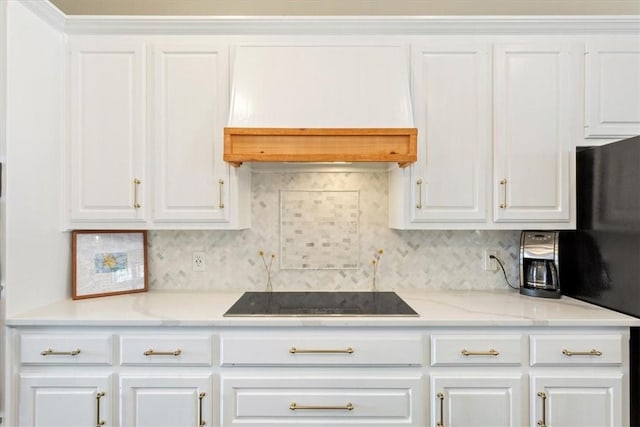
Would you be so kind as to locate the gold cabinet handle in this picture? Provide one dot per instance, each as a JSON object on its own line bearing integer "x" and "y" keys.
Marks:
{"x": 419, "y": 184}
{"x": 295, "y": 407}
{"x": 201, "y": 396}
{"x": 503, "y": 183}
{"x": 152, "y": 352}
{"x": 99, "y": 395}
{"x": 491, "y": 352}
{"x": 294, "y": 350}
{"x": 592, "y": 352}
{"x": 51, "y": 352}
{"x": 441, "y": 422}
{"x": 221, "y": 193}
{"x": 543, "y": 421}
{"x": 136, "y": 185}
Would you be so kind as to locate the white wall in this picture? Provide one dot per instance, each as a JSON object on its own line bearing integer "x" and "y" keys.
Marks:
{"x": 36, "y": 267}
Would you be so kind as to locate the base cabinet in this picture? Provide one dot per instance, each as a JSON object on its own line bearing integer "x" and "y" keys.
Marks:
{"x": 319, "y": 376}
{"x": 467, "y": 400}
{"x": 166, "y": 400}
{"x": 323, "y": 398}
{"x": 63, "y": 401}
{"x": 577, "y": 401}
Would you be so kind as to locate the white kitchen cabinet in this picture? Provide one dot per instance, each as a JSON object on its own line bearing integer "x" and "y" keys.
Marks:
{"x": 493, "y": 398}
{"x": 316, "y": 397}
{"x": 535, "y": 98}
{"x": 65, "y": 400}
{"x": 320, "y": 375}
{"x": 107, "y": 132}
{"x": 496, "y": 129}
{"x": 576, "y": 379}
{"x": 130, "y": 168}
{"x": 452, "y": 99}
{"x": 160, "y": 400}
{"x": 577, "y": 399}
{"x": 191, "y": 181}
{"x": 612, "y": 88}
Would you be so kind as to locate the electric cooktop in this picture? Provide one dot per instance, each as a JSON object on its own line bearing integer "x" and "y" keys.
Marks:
{"x": 320, "y": 304}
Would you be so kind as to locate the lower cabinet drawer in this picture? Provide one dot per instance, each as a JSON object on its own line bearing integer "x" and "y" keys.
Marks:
{"x": 576, "y": 349}
{"x": 461, "y": 350}
{"x": 344, "y": 400}
{"x": 323, "y": 349}
{"x": 60, "y": 349}
{"x": 166, "y": 350}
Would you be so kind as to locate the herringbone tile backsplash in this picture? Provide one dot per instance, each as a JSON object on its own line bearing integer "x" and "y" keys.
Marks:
{"x": 410, "y": 259}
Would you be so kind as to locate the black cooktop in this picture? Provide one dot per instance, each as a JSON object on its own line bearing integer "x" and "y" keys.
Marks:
{"x": 320, "y": 304}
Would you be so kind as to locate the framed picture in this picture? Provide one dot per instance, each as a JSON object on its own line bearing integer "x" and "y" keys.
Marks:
{"x": 108, "y": 263}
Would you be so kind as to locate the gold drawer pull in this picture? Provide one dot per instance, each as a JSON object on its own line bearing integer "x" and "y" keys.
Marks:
{"x": 503, "y": 205}
{"x": 491, "y": 352}
{"x": 441, "y": 398}
{"x": 152, "y": 352}
{"x": 593, "y": 352}
{"x": 220, "y": 194}
{"x": 543, "y": 422}
{"x": 348, "y": 407}
{"x": 201, "y": 420}
{"x": 136, "y": 185}
{"x": 294, "y": 350}
{"x": 50, "y": 352}
{"x": 99, "y": 422}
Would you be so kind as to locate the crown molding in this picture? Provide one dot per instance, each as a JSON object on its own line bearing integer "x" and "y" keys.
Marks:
{"x": 361, "y": 25}
{"x": 336, "y": 25}
{"x": 47, "y": 12}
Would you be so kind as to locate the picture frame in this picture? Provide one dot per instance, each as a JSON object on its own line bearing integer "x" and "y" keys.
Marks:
{"x": 109, "y": 262}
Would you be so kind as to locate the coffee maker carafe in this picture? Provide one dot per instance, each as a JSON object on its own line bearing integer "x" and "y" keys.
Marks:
{"x": 539, "y": 275}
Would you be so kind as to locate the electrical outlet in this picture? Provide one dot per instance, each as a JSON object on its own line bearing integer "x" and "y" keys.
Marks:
{"x": 198, "y": 263}
{"x": 490, "y": 264}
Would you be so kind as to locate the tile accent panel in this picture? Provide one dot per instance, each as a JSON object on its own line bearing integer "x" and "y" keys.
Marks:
{"x": 411, "y": 260}
{"x": 319, "y": 229}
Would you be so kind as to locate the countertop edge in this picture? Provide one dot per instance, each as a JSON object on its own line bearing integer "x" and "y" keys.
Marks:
{"x": 461, "y": 309}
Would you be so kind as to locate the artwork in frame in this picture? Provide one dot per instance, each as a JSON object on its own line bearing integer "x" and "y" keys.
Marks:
{"x": 108, "y": 263}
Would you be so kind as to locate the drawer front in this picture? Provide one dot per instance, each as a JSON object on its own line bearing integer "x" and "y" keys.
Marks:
{"x": 576, "y": 349}
{"x": 71, "y": 349}
{"x": 340, "y": 400}
{"x": 322, "y": 350}
{"x": 476, "y": 350}
{"x": 166, "y": 350}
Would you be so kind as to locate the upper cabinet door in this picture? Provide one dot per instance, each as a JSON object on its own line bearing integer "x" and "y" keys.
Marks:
{"x": 190, "y": 110}
{"x": 107, "y": 145}
{"x": 452, "y": 98}
{"x": 612, "y": 88}
{"x": 534, "y": 120}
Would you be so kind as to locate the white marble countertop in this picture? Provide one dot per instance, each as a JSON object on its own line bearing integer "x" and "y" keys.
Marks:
{"x": 435, "y": 308}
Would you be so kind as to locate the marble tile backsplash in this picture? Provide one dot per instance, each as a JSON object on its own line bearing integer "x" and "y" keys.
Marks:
{"x": 411, "y": 259}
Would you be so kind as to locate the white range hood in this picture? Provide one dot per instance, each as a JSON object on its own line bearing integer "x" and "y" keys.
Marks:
{"x": 320, "y": 103}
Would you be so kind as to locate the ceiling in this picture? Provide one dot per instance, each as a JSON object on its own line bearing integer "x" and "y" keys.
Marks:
{"x": 348, "y": 7}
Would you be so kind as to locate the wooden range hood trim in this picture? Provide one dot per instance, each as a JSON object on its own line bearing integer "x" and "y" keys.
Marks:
{"x": 243, "y": 144}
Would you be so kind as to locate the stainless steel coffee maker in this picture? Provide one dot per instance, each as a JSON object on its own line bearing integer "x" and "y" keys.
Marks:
{"x": 539, "y": 268}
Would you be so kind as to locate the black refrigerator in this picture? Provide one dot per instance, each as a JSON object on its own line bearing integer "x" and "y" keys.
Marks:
{"x": 600, "y": 261}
